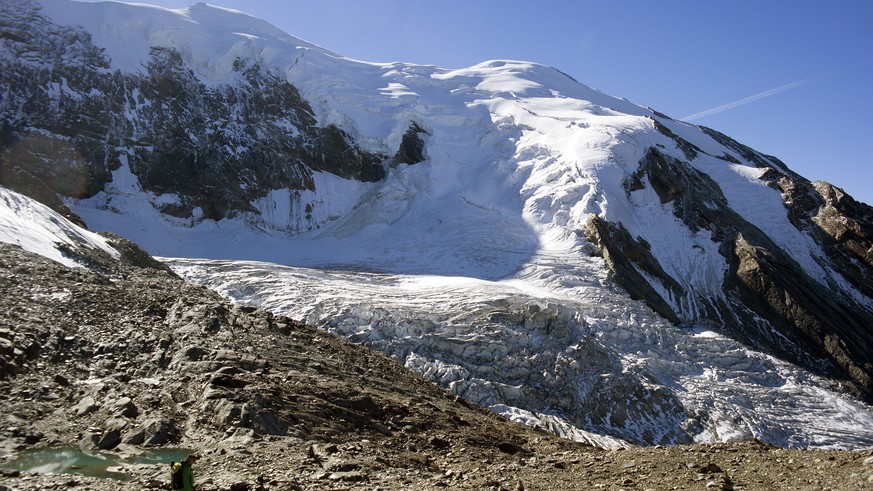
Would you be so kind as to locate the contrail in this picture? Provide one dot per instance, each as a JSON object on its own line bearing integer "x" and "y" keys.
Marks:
{"x": 752, "y": 98}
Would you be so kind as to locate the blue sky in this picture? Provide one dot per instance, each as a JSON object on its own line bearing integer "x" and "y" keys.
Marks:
{"x": 793, "y": 79}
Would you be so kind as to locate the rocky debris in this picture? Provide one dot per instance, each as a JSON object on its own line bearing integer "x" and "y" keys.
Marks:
{"x": 123, "y": 358}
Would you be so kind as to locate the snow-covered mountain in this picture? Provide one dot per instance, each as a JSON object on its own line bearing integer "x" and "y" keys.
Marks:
{"x": 557, "y": 254}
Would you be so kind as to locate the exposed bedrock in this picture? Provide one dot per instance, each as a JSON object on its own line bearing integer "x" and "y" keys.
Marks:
{"x": 770, "y": 301}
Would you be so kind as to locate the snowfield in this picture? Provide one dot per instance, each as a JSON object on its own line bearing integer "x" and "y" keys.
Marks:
{"x": 472, "y": 267}
{"x": 36, "y": 228}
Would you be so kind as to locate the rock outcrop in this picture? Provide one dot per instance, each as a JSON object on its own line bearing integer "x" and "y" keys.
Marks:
{"x": 769, "y": 300}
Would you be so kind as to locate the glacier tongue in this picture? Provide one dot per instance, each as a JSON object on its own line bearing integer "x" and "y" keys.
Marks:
{"x": 558, "y": 347}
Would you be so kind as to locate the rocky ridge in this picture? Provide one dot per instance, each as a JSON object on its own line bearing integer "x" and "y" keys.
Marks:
{"x": 767, "y": 299}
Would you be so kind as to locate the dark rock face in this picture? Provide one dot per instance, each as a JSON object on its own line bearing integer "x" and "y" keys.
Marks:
{"x": 22, "y": 181}
{"x": 770, "y": 302}
{"x": 624, "y": 254}
{"x": 411, "y": 149}
{"x": 49, "y": 113}
{"x": 70, "y": 121}
{"x": 841, "y": 225}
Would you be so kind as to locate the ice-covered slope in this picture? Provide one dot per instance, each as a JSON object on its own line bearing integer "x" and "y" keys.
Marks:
{"x": 210, "y": 37}
{"x": 534, "y": 200}
{"x": 36, "y": 228}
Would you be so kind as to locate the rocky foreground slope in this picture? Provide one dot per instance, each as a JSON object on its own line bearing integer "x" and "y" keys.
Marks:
{"x": 123, "y": 356}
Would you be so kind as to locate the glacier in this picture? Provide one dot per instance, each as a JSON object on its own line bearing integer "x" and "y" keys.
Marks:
{"x": 474, "y": 267}
{"x": 557, "y": 347}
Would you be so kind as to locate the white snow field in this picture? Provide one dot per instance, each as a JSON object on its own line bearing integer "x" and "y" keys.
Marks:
{"x": 36, "y": 228}
{"x": 471, "y": 267}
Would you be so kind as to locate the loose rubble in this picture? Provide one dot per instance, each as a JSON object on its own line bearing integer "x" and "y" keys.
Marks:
{"x": 122, "y": 358}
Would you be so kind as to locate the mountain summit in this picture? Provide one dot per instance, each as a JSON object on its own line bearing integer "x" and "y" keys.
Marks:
{"x": 559, "y": 255}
